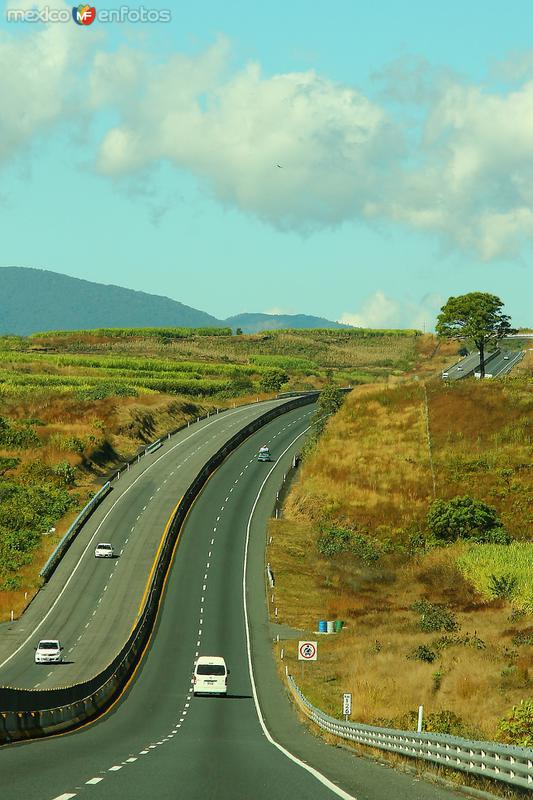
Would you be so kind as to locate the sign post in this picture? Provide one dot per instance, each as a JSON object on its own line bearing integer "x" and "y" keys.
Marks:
{"x": 347, "y": 705}
{"x": 307, "y": 651}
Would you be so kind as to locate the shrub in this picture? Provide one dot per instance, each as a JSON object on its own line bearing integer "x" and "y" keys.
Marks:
{"x": 340, "y": 540}
{"x": 13, "y": 436}
{"x": 465, "y": 518}
{"x": 423, "y": 653}
{"x": 523, "y": 638}
{"x": 16, "y": 547}
{"x": 11, "y": 584}
{"x": 434, "y": 617}
{"x": 517, "y": 725}
{"x": 7, "y": 464}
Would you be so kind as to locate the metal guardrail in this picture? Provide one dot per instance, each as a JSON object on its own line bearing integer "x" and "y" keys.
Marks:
{"x": 500, "y": 762}
{"x": 32, "y": 713}
{"x": 73, "y": 531}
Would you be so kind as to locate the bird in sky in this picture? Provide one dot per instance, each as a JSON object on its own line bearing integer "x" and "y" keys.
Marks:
{"x": 279, "y": 166}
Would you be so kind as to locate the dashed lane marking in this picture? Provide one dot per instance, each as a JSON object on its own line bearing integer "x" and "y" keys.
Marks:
{"x": 94, "y": 781}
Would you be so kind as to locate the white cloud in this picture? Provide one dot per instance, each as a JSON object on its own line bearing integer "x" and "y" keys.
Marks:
{"x": 436, "y": 154}
{"x": 380, "y": 311}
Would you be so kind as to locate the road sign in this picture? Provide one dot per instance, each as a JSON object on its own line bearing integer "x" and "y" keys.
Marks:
{"x": 307, "y": 651}
{"x": 347, "y": 704}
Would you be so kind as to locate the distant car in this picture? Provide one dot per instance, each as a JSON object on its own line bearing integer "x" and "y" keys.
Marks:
{"x": 506, "y": 358}
{"x": 210, "y": 675}
{"x": 444, "y": 374}
{"x": 104, "y": 550}
{"x": 264, "y": 454}
{"x": 460, "y": 369}
{"x": 48, "y": 651}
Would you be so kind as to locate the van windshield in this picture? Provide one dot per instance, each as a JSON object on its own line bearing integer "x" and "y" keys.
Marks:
{"x": 210, "y": 669}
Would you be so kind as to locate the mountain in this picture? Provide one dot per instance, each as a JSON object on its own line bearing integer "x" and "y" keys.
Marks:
{"x": 34, "y": 300}
{"x": 253, "y": 323}
{"x": 38, "y": 300}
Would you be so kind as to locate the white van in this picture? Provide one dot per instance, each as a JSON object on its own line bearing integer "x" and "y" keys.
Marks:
{"x": 210, "y": 675}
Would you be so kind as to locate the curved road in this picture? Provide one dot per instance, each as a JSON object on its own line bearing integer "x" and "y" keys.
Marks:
{"x": 91, "y": 604}
{"x": 158, "y": 740}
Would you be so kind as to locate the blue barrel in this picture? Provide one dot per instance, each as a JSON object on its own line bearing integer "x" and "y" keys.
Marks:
{"x": 322, "y": 626}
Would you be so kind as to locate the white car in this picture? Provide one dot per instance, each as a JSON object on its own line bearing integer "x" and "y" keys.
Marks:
{"x": 264, "y": 454}
{"x": 210, "y": 675}
{"x": 48, "y": 651}
{"x": 104, "y": 550}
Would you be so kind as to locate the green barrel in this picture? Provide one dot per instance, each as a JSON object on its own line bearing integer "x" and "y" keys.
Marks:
{"x": 338, "y": 625}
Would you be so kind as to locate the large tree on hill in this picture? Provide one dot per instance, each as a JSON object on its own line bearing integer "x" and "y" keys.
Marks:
{"x": 476, "y": 316}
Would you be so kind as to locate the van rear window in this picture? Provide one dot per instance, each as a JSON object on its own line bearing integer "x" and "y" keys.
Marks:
{"x": 210, "y": 669}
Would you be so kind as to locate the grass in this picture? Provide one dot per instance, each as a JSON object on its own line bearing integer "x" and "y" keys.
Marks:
{"x": 483, "y": 561}
{"x": 370, "y": 474}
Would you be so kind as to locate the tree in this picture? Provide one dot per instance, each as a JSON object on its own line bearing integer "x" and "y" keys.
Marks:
{"x": 475, "y": 316}
{"x": 465, "y": 518}
{"x": 238, "y": 332}
{"x": 273, "y": 379}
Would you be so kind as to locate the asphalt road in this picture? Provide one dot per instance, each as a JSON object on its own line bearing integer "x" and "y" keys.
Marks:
{"x": 159, "y": 740}
{"x": 464, "y": 367}
{"x": 503, "y": 363}
{"x": 91, "y": 604}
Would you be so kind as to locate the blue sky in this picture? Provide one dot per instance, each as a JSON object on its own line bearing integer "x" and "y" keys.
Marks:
{"x": 145, "y": 155}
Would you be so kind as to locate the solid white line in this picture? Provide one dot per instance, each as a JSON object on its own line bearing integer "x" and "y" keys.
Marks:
{"x": 315, "y": 773}
{"x": 76, "y": 566}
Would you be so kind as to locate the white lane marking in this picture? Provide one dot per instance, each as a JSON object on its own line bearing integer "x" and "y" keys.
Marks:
{"x": 199, "y": 631}
{"x": 198, "y": 643}
{"x": 131, "y": 760}
{"x": 207, "y": 565}
{"x": 203, "y": 587}
{"x": 144, "y": 508}
{"x": 315, "y": 773}
{"x": 126, "y": 541}
{"x": 50, "y": 673}
{"x": 70, "y": 649}
{"x": 65, "y": 796}
{"x": 227, "y": 498}
{"x": 87, "y": 625}
{"x": 152, "y": 746}
{"x": 209, "y": 554}
{"x": 93, "y": 781}
{"x": 218, "y": 519}
{"x": 143, "y": 752}
{"x": 36, "y": 685}
{"x": 212, "y": 541}
{"x": 139, "y": 517}
{"x": 241, "y": 473}
{"x": 231, "y": 490}
{"x": 94, "y": 612}
{"x": 152, "y": 497}
{"x": 79, "y": 637}
{"x": 202, "y": 600}
{"x": 115, "y": 768}
{"x": 105, "y": 587}
{"x": 205, "y": 576}
{"x": 214, "y": 530}
{"x": 124, "y": 493}
{"x": 187, "y": 705}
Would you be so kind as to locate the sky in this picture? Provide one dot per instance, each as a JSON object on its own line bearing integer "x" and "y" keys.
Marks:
{"x": 361, "y": 162}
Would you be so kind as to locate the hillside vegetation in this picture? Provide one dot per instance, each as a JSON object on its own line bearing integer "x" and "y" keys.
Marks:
{"x": 438, "y": 607}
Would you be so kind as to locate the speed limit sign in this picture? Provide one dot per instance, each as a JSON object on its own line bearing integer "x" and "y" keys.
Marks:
{"x": 307, "y": 651}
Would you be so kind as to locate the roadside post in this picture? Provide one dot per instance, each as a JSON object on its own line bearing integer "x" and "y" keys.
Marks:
{"x": 347, "y": 705}
{"x": 307, "y": 651}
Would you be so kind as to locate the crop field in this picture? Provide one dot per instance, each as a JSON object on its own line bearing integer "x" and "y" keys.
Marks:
{"x": 443, "y": 623}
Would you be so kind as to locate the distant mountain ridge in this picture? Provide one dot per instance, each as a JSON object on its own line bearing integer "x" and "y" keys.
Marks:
{"x": 33, "y": 300}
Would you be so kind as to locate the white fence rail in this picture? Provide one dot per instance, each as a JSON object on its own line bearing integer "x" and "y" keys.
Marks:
{"x": 512, "y": 765}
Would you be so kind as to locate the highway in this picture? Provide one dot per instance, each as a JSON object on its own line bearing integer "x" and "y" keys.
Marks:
{"x": 91, "y": 604}
{"x": 159, "y": 740}
{"x": 503, "y": 363}
{"x": 464, "y": 367}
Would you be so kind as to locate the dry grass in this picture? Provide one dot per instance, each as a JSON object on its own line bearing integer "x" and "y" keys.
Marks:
{"x": 370, "y": 472}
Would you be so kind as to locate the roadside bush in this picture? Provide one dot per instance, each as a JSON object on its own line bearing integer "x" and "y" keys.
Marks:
{"x": 434, "y": 617}
{"x": 517, "y": 725}
{"x": 466, "y": 518}
{"x": 16, "y": 548}
{"x": 341, "y": 540}
{"x": 11, "y": 584}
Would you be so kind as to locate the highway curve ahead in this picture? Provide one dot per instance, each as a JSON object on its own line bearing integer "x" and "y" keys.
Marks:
{"x": 161, "y": 742}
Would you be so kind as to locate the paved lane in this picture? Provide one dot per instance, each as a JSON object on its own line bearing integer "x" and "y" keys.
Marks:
{"x": 160, "y": 741}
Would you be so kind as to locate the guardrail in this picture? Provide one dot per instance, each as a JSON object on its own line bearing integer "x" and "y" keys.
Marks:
{"x": 32, "y": 713}
{"x": 73, "y": 531}
{"x": 500, "y": 762}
